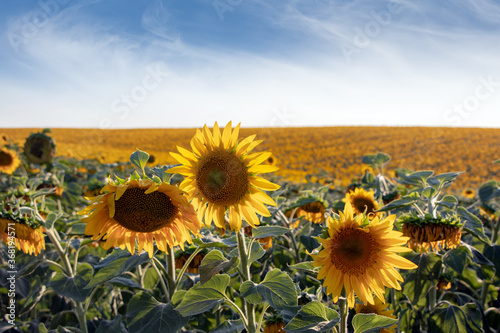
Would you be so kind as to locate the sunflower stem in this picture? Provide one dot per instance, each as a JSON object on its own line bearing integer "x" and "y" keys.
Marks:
{"x": 185, "y": 266}
{"x": 494, "y": 236}
{"x": 344, "y": 311}
{"x": 484, "y": 294}
{"x": 261, "y": 318}
{"x": 432, "y": 299}
{"x": 171, "y": 271}
{"x": 245, "y": 269}
{"x": 166, "y": 291}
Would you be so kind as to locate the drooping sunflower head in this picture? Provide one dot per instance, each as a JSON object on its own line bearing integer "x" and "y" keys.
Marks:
{"x": 359, "y": 256}
{"x": 9, "y": 161}
{"x": 378, "y": 308}
{"x": 221, "y": 175}
{"x": 142, "y": 210}
{"x": 363, "y": 202}
{"x": 431, "y": 234}
{"x": 39, "y": 148}
{"x": 27, "y": 235}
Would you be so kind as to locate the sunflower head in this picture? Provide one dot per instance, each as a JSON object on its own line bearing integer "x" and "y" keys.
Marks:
{"x": 4, "y": 137}
{"x": 431, "y": 234}
{"x": 194, "y": 265}
{"x": 39, "y": 148}
{"x": 222, "y": 176}
{"x": 141, "y": 210}
{"x": 469, "y": 193}
{"x": 274, "y": 324}
{"x": 9, "y": 161}
{"x": 359, "y": 256}
{"x": 272, "y": 160}
{"x": 310, "y": 208}
{"x": 363, "y": 202}
{"x": 28, "y": 233}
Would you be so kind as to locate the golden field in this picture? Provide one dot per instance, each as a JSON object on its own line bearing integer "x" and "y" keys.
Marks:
{"x": 307, "y": 151}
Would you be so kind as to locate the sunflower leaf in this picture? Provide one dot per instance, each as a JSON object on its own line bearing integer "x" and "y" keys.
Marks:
{"x": 313, "y": 317}
{"x": 452, "y": 318}
{"x": 146, "y": 314}
{"x": 204, "y": 297}
{"x": 73, "y": 287}
{"x": 456, "y": 259}
{"x": 209, "y": 240}
{"x": 139, "y": 159}
{"x": 112, "y": 326}
{"x": 277, "y": 289}
{"x": 399, "y": 203}
{"x": 473, "y": 225}
{"x": 370, "y": 322}
{"x": 230, "y": 326}
{"x": 215, "y": 262}
{"x": 489, "y": 190}
{"x": 115, "y": 265}
{"x": 419, "y": 281}
{"x": 305, "y": 266}
{"x": 268, "y": 231}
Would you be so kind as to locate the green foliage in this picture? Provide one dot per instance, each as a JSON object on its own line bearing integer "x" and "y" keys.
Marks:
{"x": 368, "y": 322}
{"x": 73, "y": 287}
{"x": 313, "y": 317}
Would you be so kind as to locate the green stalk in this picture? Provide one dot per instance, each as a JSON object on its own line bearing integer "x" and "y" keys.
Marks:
{"x": 166, "y": 291}
{"x": 494, "y": 236}
{"x": 432, "y": 299}
{"x": 80, "y": 311}
{"x": 344, "y": 311}
{"x": 245, "y": 269}
{"x": 171, "y": 271}
{"x": 186, "y": 264}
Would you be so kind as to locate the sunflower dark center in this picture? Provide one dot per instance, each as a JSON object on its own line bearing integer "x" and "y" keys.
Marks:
{"x": 141, "y": 212}
{"x": 360, "y": 204}
{"x": 270, "y": 160}
{"x": 313, "y": 207}
{"x": 5, "y": 158}
{"x": 353, "y": 251}
{"x": 222, "y": 178}
{"x": 368, "y": 308}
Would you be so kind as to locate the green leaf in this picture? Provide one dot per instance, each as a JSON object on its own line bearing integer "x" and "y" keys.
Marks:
{"x": 256, "y": 252}
{"x": 230, "y": 326}
{"x": 38, "y": 288}
{"x": 418, "y": 281}
{"x": 403, "y": 202}
{"x": 269, "y": 231}
{"x": 42, "y": 328}
{"x": 429, "y": 192}
{"x": 215, "y": 262}
{"x": 51, "y": 219}
{"x": 473, "y": 225}
{"x": 370, "y": 322}
{"x": 451, "y": 318}
{"x": 448, "y": 201}
{"x": 448, "y": 177}
{"x": 204, "y": 297}
{"x": 489, "y": 190}
{"x": 118, "y": 262}
{"x": 139, "y": 159}
{"x": 73, "y": 287}
{"x": 123, "y": 281}
{"x": 456, "y": 259}
{"x": 305, "y": 266}
{"x": 146, "y": 315}
{"x": 492, "y": 253}
{"x": 313, "y": 317}
{"x": 77, "y": 229}
{"x": 209, "y": 240}
{"x": 112, "y": 326}
{"x": 277, "y": 289}
{"x": 177, "y": 297}
{"x": 150, "y": 279}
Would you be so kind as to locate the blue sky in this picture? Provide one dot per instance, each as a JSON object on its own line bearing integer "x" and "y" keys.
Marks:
{"x": 184, "y": 63}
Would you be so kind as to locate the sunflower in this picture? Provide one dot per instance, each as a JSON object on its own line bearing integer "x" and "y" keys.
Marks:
{"x": 266, "y": 242}
{"x": 221, "y": 175}
{"x": 469, "y": 193}
{"x": 309, "y": 208}
{"x": 271, "y": 160}
{"x": 8, "y": 161}
{"x": 363, "y": 201}
{"x": 194, "y": 265}
{"x": 142, "y": 210}
{"x": 39, "y": 148}
{"x": 274, "y": 324}
{"x": 360, "y": 256}
{"x": 379, "y": 308}
{"x": 431, "y": 233}
{"x": 4, "y": 137}
{"x": 27, "y": 235}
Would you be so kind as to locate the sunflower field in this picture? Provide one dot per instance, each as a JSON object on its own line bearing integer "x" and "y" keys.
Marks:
{"x": 225, "y": 229}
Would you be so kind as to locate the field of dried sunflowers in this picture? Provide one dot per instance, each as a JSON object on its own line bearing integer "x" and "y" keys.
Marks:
{"x": 212, "y": 230}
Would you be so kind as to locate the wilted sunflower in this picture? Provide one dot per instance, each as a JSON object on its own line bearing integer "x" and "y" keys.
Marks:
{"x": 142, "y": 210}
{"x": 360, "y": 256}
{"x": 221, "y": 176}
{"x": 39, "y": 148}
{"x": 363, "y": 201}
{"x": 378, "y": 308}
{"x": 431, "y": 233}
{"x": 27, "y": 235}
{"x": 8, "y": 161}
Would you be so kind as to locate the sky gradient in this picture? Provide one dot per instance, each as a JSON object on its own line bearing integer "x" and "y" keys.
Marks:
{"x": 184, "y": 63}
